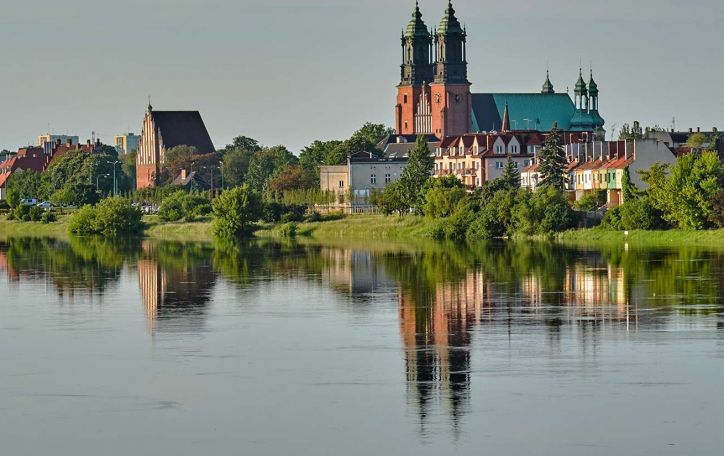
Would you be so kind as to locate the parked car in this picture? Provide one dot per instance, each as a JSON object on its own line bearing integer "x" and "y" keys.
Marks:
{"x": 45, "y": 205}
{"x": 29, "y": 202}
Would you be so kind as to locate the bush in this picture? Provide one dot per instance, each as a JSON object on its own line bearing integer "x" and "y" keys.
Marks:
{"x": 641, "y": 215}
{"x": 314, "y": 217}
{"x": 716, "y": 217}
{"x": 272, "y": 212}
{"x": 441, "y": 202}
{"x": 25, "y": 213}
{"x": 182, "y": 205}
{"x": 591, "y": 201}
{"x": 48, "y": 217}
{"x": 111, "y": 217}
{"x": 288, "y": 230}
{"x": 83, "y": 221}
{"x": 612, "y": 219}
{"x": 235, "y": 211}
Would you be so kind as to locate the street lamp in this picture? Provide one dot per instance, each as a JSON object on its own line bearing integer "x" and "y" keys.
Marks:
{"x": 115, "y": 187}
{"x": 98, "y": 178}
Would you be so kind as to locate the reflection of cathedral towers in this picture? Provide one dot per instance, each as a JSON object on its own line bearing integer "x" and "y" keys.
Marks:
{"x": 437, "y": 342}
{"x": 175, "y": 291}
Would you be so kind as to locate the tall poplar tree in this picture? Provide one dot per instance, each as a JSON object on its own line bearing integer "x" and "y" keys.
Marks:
{"x": 553, "y": 161}
{"x": 418, "y": 170}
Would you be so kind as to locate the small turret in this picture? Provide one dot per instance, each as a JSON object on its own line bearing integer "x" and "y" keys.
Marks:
{"x": 548, "y": 86}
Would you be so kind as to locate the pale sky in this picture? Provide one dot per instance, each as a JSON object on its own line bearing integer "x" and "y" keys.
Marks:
{"x": 289, "y": 72}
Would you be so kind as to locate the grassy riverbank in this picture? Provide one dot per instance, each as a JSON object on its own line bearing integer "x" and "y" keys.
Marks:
{"x": 365, "y": 229}
{"x": 665, "y": 238}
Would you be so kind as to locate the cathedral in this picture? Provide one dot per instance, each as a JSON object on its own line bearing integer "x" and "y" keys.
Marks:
{"x": 434, "y": 97}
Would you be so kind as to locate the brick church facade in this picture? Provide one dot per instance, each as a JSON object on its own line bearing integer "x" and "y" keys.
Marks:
{"x": 434, "y": 96}
{"x": 163, "y": 130}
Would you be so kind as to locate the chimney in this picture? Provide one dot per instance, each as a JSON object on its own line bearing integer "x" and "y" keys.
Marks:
{"x": 89, "y": 142}
{"x": 698, "y": 129}
{"x": 69, "y": 142}
{"x": 58, "y": 142}
{"x": 691, "y": 130}
{"x": 715, "y": 130}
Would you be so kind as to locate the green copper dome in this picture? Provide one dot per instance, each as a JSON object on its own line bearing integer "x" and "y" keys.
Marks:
{"x": 592, "y": 87}
{"x": 449, "y": 23}
{"x": 581, "y": 85}
{"x": 417, "y": 26}
{"x": 548, "y": 86}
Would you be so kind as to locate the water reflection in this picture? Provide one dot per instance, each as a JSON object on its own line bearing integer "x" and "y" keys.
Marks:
{"x": 450, "y": 299}
{"x": 85, "y": 266}
{"x": 176, "y": 283}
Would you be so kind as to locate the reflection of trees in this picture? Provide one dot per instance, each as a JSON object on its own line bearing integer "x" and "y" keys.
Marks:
{"x": 445, "y": 292}
{"x": 86, "y": 265}
{"x": 176, "y": 282}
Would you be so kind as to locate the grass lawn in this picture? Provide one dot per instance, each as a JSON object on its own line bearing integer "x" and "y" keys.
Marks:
{"x": 668, "y": 238}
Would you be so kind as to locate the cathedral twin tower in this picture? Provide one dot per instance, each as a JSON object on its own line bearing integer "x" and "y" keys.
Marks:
{"x": 434, "y": 98}
{"x": 434, "y": 92}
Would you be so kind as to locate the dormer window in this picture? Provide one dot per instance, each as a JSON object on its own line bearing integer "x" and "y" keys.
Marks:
{"x": 499, "y": 149}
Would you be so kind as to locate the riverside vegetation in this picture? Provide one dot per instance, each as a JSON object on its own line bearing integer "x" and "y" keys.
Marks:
{"x": 687, "y": 196}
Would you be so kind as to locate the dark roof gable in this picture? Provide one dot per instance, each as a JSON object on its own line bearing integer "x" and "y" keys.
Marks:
{"x": 183, "y": 128}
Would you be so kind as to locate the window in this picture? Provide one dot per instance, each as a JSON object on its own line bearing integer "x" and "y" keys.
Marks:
{"x": 499, "y": 165}
{"x": 477, "y": 182}
{"x": 515, "y": 165}
{"x": 388, "y": 178}
{"x": 526, "y": 163}
{"x": 514, "y": 149}
{"x": 405, "y": 99}
{"x": 498, "y": 149}
{"x": 341, "y": 184}
{"x": 373, "y": 179}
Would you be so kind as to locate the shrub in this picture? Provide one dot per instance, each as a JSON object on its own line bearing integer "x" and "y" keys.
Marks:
{"x": 612, "y": 219}
{"x": 272, "y": 212}
{"x": 182, "y": 205}
{"x": 235, "y": 211}
{"x": 111, "y": 217}
{"x": 591, "y": 201}
{"x": 288, "y": 230}
{"x": 48, "y": 217}
{"x": 83, "y": 221}
{"x": 441, "y": 202}
{"x": 641, "y": 215}
{"x": 716, "y": 217}
{"x": 314, "y": 217}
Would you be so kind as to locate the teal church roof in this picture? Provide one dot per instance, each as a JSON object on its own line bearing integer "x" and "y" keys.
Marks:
{"x": 527, "y": 111}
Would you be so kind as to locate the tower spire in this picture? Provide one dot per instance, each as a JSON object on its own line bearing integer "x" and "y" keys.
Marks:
{"x": 548, "y": 86}
{"x": 505, "y": 127}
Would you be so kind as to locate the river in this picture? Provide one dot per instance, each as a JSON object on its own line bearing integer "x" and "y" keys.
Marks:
{"x": 148, "y": 348}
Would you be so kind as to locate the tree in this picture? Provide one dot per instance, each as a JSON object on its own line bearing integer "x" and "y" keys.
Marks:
{"x": 441, "y": 196}
{"x": 553, "y": 161}
{"x": 25, "y": 185}
{"x": 696, "y": 142}
{"x": 417, "y": 171}
{"x": 245, "y": 143}
{"x": 128, "y": 166}
{"x": 685, "y": 194}
{"x": 187, "y": 158}
{"x": 294, "y": 177}
{"x": 318, "y": 153}
{"x": 266, "y": 164}
{"x": 629, "y": 190}
{"x": 235, "y": 211}
{"x": 511, "y": 176}
{"x": 111, "y": 217}
{"x": 236, "y": 165}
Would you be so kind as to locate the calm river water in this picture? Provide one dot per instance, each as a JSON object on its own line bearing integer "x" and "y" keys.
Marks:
{"x": 153, "y": 348}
